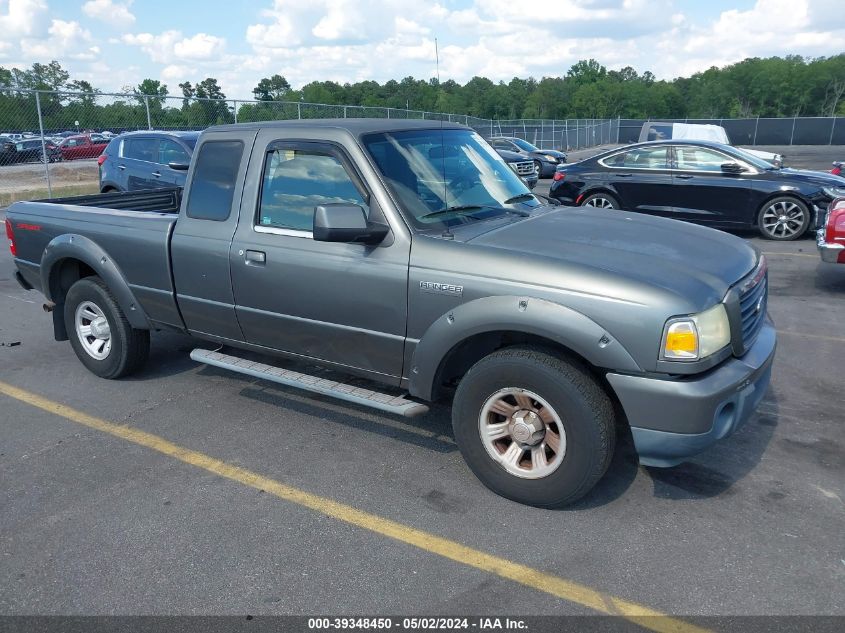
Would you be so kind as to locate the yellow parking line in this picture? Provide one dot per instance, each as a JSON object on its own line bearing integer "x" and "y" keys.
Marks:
{"x": 522, "y": 574}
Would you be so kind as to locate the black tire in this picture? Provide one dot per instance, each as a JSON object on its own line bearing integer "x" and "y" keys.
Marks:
{"x": 129, "y": 347}
{"x": 583, "y": 407}
{"x": 791, "y": 215}
{"x": 594, "y": 200}
{"x": 539, "y": 167}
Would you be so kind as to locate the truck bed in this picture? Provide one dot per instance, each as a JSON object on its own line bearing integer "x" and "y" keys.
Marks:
{"x": 155, "y": 200}
{"x": 131, "y": 229}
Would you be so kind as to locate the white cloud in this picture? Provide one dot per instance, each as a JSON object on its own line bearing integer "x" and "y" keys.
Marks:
{"x": 170, "y": 46}
{"x": 115, "y": 14}
{"x": 65, "y": 40}
{"x": 23, "y": 18}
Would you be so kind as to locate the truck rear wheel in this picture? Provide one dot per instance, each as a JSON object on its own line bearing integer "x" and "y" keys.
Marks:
{"x": 534, "y": 427}
{"x": 99, "y": 332}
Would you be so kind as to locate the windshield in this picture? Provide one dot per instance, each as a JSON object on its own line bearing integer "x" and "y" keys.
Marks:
{"x": 525, "y": 145}
{"x": 432, "y": 171}
{"x": 756, "y": 161}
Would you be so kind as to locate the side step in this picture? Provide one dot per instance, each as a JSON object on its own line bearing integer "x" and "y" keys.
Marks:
{"x": 374, "y": 399}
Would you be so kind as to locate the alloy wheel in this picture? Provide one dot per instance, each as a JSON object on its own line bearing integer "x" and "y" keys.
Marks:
{"x": 522, "y": 433}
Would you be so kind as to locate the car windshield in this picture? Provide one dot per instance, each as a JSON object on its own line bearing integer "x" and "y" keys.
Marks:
{"x": 750, "y": 158}
{"x": 441, "y": 178}
{"x": 525, "y": 145}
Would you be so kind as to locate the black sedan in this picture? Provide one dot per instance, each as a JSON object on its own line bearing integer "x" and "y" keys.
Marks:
{"x": 703, "y": 182}
{"x": 27, "y": 151}
{"x": 545, "y": 160}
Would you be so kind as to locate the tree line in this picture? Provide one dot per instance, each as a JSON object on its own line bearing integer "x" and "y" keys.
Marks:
{"x": 766, "y": 87}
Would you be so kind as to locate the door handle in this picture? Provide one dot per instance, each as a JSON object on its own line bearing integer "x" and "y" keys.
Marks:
{"x": 624, "y": 175}
{"x": 121, "y": 166}
{"x": 157, "y": 174}
{"x": 255, "y": 258}
{"x": 683, "y": 176}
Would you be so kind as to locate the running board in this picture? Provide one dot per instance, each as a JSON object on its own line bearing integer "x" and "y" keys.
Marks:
{"x": 342, "y": 391}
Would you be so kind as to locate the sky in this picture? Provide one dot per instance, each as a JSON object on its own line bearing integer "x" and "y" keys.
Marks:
{"x": 117, "y": 43}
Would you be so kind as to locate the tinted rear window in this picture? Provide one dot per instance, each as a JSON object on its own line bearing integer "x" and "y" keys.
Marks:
{"x": 141, "y": 149}
{"x": 215, "y": 176}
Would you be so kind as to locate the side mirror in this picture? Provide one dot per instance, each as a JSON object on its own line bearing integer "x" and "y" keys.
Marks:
{"x": 732, "y": 168}
{"x": 178, "y": 166}
{"x": 346, "y": 223}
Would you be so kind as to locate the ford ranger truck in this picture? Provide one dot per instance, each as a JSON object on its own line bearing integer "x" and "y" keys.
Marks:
{"x": 410, "y": 254}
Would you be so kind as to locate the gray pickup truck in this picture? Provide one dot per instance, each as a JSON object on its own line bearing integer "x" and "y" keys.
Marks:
{"x": 410, "y": 254}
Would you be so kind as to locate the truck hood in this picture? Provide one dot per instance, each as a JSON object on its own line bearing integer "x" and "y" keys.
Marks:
{"x": 512, "y": 157}
{"x": 694, "y": 263}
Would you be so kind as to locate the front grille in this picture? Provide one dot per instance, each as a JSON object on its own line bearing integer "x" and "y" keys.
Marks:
{"x": 753, "y": 298}
{"x": 524, "y": 168}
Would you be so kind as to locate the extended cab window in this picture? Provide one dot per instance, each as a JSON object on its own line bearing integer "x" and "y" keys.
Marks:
{"x": 295, "y": 181}
{"x": 214, "y": 180}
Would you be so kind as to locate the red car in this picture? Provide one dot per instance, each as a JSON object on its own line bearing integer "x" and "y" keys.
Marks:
{"x": 837, "y": 169}
{"x": 81, "y": 146}
{"x": 831, "y": 237}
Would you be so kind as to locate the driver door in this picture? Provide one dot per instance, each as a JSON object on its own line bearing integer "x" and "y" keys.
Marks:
{"x": 342, "y": 303}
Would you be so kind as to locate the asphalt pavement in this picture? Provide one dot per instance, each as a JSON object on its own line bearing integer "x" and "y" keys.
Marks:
{"x": 96, "y": 521}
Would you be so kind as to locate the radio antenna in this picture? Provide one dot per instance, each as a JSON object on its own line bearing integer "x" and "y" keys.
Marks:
{"x": 437, "y": 60}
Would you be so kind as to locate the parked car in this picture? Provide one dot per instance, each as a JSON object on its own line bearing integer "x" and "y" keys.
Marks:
{"x": 525, "y": 169}
{"x": 146, "y": 160}
{"x": 8, "y": 151}
{"x": 657, "y": 131}
{"x": 545, "y": 160}
{"x": 830, "y": 238}
{"x": 30, "y": 150}
{"x": 708, "y": 183}
{"x": 81, "y": 146}
{"x": 837, "y": 169}
{"x": 407, "y": 252}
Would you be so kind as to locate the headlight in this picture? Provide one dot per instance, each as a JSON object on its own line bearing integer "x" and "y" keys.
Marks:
{"x": 696, "y": 336}
{"x": 834, "y": 192}
{"x": 551, "y": 159}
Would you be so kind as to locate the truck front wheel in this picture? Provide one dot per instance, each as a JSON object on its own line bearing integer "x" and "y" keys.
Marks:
{"x": 533, "y": 427}
{"x": 99, "y": 332}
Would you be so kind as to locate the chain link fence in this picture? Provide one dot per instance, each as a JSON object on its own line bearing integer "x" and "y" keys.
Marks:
{"x": 34, "y": 124}
{"x": 758, "y": 131}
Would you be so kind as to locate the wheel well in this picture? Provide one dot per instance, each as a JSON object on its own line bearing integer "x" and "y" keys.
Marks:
{"x": 782, "y": 194}
{"x": 108, "y": 189}
{"x": 601, "y": 189}
{"x": 465, "y": 354}
{"x": 64, "y": 274}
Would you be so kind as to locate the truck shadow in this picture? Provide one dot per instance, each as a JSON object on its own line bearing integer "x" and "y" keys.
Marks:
{"x": 431, "y": 431}
{"x": 727, "y": 462}
{"x": 169, "y": 356}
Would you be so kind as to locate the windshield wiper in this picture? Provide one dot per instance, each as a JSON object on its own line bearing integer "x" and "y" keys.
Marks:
{"x": 455, "y": 209}
{"x": 518, "y": 197}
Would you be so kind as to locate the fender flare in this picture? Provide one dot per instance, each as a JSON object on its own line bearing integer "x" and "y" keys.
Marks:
{"x": 527, "y": 315}
{"x": 79, "y": 247}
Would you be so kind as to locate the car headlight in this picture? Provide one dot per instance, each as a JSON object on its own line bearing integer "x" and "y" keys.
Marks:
{"x": 551, "y": 159}
{"x": 834, "y": 192}
{"x": 696, "y": 336}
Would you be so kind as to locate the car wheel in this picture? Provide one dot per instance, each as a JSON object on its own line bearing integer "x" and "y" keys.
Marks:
{"x": 783, "y": 219}
{"x": 539, "y": 167}
{"x": 602, "y": 201}
{"x": 99, "y": 332}
{"x": 533, "y": 427}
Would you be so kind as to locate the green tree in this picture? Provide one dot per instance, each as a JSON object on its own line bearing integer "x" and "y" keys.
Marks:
{"x": 273, "y": 88}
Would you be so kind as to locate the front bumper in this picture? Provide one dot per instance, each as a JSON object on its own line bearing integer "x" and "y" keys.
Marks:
{"x": 830, "y": 253}
{"x": 672, "y": 420}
